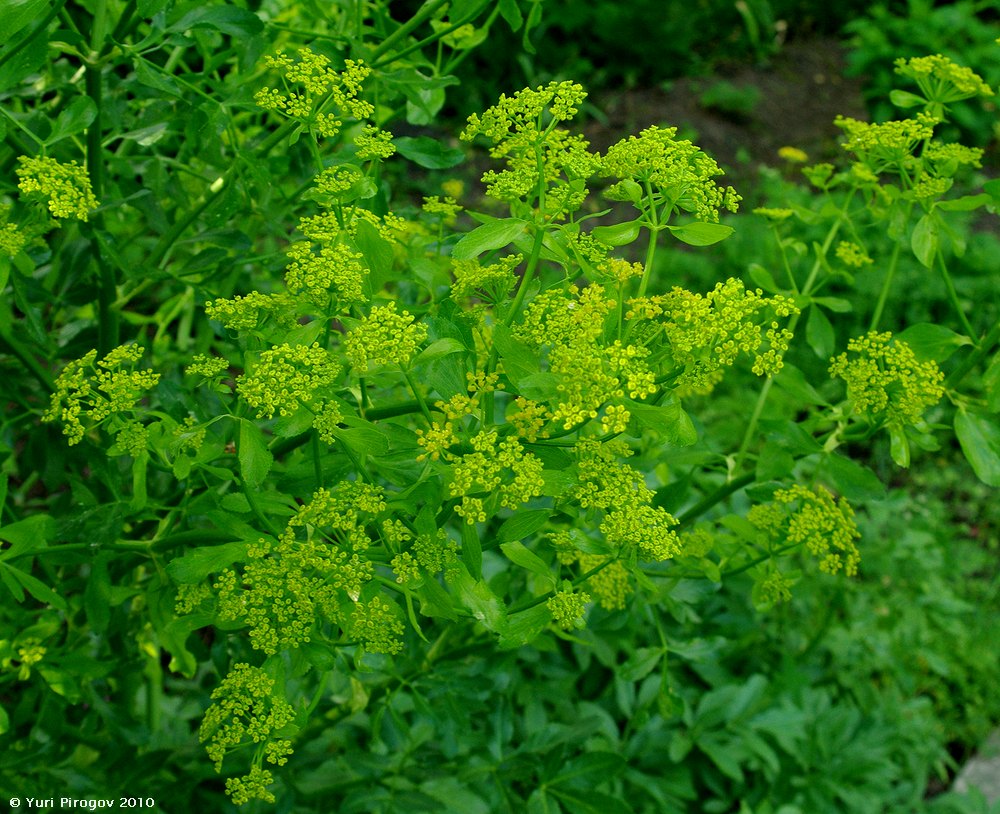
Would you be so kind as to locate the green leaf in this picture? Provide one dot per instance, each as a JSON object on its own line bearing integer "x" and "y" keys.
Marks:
{"x": 519, "y": 361}
{"x": 762, "y": 278}
{"x": 854, "y": 481}
{"x": 428, "y": 152}
{"x": 700, "y": 233}
{"x": 254, "y": 456}
{"x": 97, "y": 595}
{"x": 484, "y": 605}
{"x": 472, "y": 550}
{"x": 174, "y": 636}
{"x": 4, "y": 721}
{"x": 523, "y": 524}
{"x": 27, "y": 535}
{"x": 621, "y": 234}
{"x": 669, "y": 419}
{"x": 926, "y": 239}
{"x": 16, "y": 14}
{"x": 930, "y": 341}
{"x": 524, "y": 627}
{"x": 511, "y": 13}
{"x": 899, "y": 446}
{"x": 589, "y": 802}
{"x": 367, "y": 440}
{"x": 966, "y": 203}
{"x": 641, "y": 663}
{"x": 991, "y": 383}
{"x": 438, "y": 349}
{"x": 77, "y": 116}
{"x": 194, "y": 566}
{"x": 519, "y": 554}
{"x": 836, "y": 304}
{"x": 492, "y": 235}
{"x": 979, "y": 437}
{"x": 233, "y": 20}
{"x": 905, "y": 99}
{"x": 819, "y": 333}
{"x": 38, "y": 589}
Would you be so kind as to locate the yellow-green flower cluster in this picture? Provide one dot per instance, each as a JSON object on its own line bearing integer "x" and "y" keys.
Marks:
{"x": 247, "y": 711}
{"x": 495, "y": 281}
{"x": 374, "y": 144}
{"x": 775, "y": 588}
{"x": 567, "y": 608}
{"x": 814, "y": 519}
{"x": 334, "y": 181}
{"x": 318, "y": 89}
{"x": 522, "y": 131}
{"x": 611, "y": 584}
{"x": 851, "y": 254}
{"x": 191, "y": 596}
{"x": 384, "y": 337}
{"x": 887, "y": 145}
{"x": 630, "y": 522}
{"x": 131, "y": 439}
{"x": 207, "y": 366}
{"x": 570, "y": 326}
{"x": 942, "y": 80}
{"x": 677, "y": 170}
{"x": 520, "y": 120}
{"x": 30, "y": 651}
{"x": 500, "y": 469}
{"x": 12, "y": 239}
{"x": 406, "y": 568}
{"x": 289, "y": 586}
{"x": 707, "y": 333}
{"x": 330, "y": 278}
{"x": 67, "y": 186}
{"x": 886, "y": 380}
{"x": 435, "y": 552}
{"x": 326, "y": 421}
{"x": 645, "y": 528}
{"x": 377, "y": 624}
{"x": 287, "y": 376}
{"x": 945, "y": 157}
{"x": 246, "y": 313}
{"x": 96, "y": 389}
{"x": 448, "y": 208}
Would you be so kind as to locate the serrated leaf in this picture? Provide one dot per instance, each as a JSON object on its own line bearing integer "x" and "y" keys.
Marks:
{"x": 428, "y": 152}
{"x": 194, "y": 566}
{"x": 254, "y": 456}
{"x": 701, "y": 233}
{"x": 979, "y": 437}
{"x": 493, "y": 235}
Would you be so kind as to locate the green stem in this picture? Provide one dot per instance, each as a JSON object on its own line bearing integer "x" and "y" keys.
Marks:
{"x": 248, "y": 493}
{"x": 647, "y": 268}
{"x": 317, "y": 462}
{"x": 720, "y": 494}
{"x": 953, "y": 297}
{"x": 27, "y": 359}
{"x": 985, "y": 346}
{"x": 417, "y": 394}
{"x": 886, "y": 285}
{"x": 426, "y": 11}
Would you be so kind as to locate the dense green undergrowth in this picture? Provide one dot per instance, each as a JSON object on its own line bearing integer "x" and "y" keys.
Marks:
{"x": 316, "y": 497}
